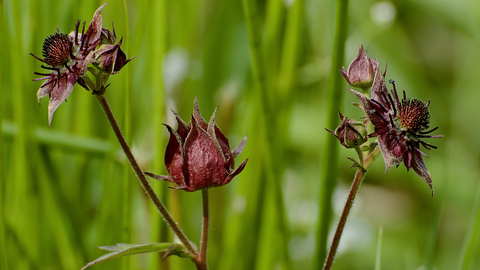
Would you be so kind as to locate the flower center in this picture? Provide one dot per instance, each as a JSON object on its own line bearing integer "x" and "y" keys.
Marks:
{"x": 413, "y": 115}
{"x": 56, "y": 49}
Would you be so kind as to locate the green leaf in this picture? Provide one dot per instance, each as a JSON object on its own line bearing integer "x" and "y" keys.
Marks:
{"x": 356, "y": 164}
{"x": 120, "y": 250}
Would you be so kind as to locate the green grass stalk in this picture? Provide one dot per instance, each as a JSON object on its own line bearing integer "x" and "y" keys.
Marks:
{"x": 329, "y": 161}
{"x": 158, "y": 38}
{"x": 378, "y": 255}
{"x": 267, "y": 121}
{"x": 3, "y": 235}
{"x": 127, "y": 133}
{"x": 21, "y": 197}
{"x": 471, "y": 247}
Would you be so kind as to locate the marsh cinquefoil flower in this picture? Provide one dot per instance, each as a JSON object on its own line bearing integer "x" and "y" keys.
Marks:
{"x": 400, "y": 125}
{"x": 67, "y": 58}
{"x": 198, "y": 155}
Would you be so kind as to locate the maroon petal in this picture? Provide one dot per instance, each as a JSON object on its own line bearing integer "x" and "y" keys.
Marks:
{"x": 46, "y": 89}
{"x": 182, "y": 128}
{"x": 421, "y": 169}
{"x": 392, "y": 150}
{"x": 174, "y": 158}
{"x": 203, "y": 158}
{"x": 196, "y": 113}
{"x": 222, "y": 146}
{"x": 379, "y": 89}
{"x": 236, "y": 172}
{"x": 344, "y": 74}
{"x": 60, "y": 91}
{"x": 94, "y": 31}
{"x": 240, "y": 147}
{"x": 83, "y": 64}
{"x": 377, "y": 114}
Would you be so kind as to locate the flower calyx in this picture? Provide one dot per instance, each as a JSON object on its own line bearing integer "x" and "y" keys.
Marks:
{"x": 350, "y": 133}
{"x": 361, "y": 71}
{"x": 198, "y": 155}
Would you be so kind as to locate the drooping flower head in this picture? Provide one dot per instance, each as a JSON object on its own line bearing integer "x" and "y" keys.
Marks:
{"x": 198, "y": 155}
{"x": 400, "y": 125}
{"x": 67, "y": 58}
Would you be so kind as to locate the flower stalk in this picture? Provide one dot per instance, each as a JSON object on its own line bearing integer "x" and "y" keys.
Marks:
{"x": 202, "y": 255}
{"x": 357, "y": 182}
{"x": 141, "y": 176}
{"x": 399, "y": 126}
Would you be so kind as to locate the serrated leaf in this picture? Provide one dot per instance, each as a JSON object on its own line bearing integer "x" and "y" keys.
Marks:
{"x": 120, "y": 250}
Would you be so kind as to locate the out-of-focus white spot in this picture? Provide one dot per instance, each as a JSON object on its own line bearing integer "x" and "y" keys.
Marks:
{"x": 176, "y": 65}
{"x": 383, "y": 13}
{"x": 288, "y": 3}
{"x": 239, "y": 204}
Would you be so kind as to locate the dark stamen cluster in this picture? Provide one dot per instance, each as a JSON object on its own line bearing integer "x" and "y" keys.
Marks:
{"x": 413, "y": 115}
{"x": 56, "y": 49}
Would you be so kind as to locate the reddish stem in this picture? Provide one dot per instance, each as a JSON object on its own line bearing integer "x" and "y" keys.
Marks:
{"x": 141, "y": 177}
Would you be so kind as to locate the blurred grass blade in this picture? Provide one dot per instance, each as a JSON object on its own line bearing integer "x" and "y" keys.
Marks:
{"x": 432, "y": 242}
{"x": 471, "y": 247}
{"x": 128, "y": 183}
{"x": 3, "y": 236}
{"x": 266, "y": 117}
{"x": 329, "y": 161}
{"x": 378, "y": 255}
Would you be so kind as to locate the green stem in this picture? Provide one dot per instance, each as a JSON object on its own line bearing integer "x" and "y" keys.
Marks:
{"x": 378, "y": 256}
{"x": 360, "y": 155}
{"x": 357, "y": 182}
{"x": 257, "y": 58}
{"x": 471, "y": 247}
{"x": 127, "y": 130}
{"x": 328, "y": 178}
{"x": 266, "y": 119}
{"x": 141, "y": 177}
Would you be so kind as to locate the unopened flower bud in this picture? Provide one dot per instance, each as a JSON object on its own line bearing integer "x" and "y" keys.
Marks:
{"x": 198, "y": 155}
{"x": 350, "y": 133}
{"x": 111, "y": 58}
{"x": 361, "y": 70}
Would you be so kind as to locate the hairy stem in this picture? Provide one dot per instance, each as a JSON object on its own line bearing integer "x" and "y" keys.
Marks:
{"x": 202, "y": 256}
{"x": 141, "y": 177}
{"x": 357, "y": 182}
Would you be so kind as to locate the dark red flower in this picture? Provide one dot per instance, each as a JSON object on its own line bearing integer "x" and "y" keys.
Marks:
{"x": 198, "y": 155}
{"x": 400, "y": 125}
{"x": 68, "y": 56}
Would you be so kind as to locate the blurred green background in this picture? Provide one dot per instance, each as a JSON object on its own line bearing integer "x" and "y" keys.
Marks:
{"x": 67, "y": 189}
